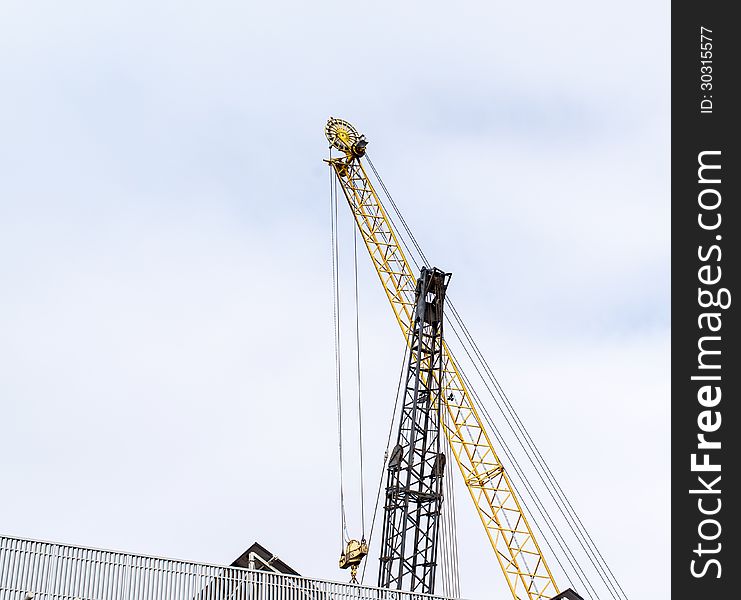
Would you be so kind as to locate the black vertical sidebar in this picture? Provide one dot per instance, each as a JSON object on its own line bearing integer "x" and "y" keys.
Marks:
{"x": 705, "y": 295}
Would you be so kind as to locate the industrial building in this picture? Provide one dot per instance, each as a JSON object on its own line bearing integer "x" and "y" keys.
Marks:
{"x": 37, "y": 570}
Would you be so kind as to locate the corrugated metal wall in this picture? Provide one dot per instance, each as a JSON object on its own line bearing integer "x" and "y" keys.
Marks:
{"x": 49, "y": 571}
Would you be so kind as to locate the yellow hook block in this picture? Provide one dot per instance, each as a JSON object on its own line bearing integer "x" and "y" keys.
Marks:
{"x": 353, "y": 555}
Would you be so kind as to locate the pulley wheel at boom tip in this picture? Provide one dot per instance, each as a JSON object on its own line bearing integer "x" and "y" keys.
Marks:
{"x": 341, "y": 134}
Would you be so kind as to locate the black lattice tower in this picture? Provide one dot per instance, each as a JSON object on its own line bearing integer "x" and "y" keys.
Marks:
{"x": 416, "y": 464}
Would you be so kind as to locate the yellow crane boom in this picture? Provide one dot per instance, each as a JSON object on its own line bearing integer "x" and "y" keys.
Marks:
{"x": 506, "y": 525}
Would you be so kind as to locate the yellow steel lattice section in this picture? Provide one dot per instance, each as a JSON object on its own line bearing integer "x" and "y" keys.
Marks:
{"x": 515, "y": 547}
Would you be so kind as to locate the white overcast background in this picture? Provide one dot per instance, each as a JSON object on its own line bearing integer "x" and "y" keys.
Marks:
{"x": 166, "y": 353}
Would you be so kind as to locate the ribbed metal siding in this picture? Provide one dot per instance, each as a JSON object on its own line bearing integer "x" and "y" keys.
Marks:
{"x": 50, "y": 571}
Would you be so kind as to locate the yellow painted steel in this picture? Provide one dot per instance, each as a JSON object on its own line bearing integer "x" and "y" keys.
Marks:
{"x": 509, "y": 532}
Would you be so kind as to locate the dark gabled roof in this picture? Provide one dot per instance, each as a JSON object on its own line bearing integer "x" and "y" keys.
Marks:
{"x": 265, "y": 561}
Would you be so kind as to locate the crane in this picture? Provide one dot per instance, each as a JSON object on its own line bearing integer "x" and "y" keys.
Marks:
{"x": 416, "y": 465}
{"x": 517, "y": 551}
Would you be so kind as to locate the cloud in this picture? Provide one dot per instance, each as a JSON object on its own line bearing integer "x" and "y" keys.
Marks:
{"x": 165, "y": 319}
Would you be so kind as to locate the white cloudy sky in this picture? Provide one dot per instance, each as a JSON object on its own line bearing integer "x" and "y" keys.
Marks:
{"x": 166, "y": 358}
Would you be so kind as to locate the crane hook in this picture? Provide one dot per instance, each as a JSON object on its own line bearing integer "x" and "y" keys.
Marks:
{"x": 353, "y": 555}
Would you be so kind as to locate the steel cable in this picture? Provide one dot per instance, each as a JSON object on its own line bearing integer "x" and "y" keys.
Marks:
{"x": 538, "y": 503}
{"x": 573, "y": 521}
{"x": 357, "y": 353}
{"x": 386, "y": 453}
{"x": 344, "y": 537}
{"x": 564, "y": 502}
{"x": 499, "y": 437}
